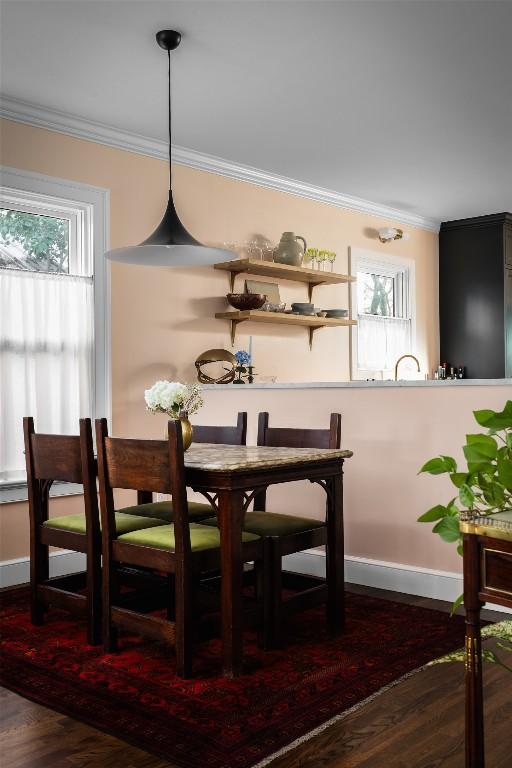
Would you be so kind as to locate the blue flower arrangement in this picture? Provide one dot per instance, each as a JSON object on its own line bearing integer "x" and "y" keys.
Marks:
{"x": 243, "y": 358}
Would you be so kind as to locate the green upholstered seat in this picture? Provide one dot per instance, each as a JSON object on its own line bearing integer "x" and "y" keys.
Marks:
{"x": 162, "y": 510}
{"x": 201, "y": 537}
{"x": 124, "y": 523}
{"x": 273, "y": 524}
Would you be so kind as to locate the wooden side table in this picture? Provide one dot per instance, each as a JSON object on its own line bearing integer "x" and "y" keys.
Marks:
{"x": 487, "y": 578}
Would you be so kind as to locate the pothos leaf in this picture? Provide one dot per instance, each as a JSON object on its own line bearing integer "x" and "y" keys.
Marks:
{"x": 448, "y": 529}
{"x": 435, "y": 513}
{"x": 458, "y": 478}
{"x": 466, "y": 496}
{"x": 439, "y": 465}
{"x": 457, "y": 604}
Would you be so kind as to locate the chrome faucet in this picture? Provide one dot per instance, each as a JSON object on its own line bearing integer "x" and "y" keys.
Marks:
{"x": 400, "y": 360}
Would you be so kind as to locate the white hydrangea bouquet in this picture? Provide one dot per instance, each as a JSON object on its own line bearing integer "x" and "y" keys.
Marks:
{"x": 175, "y": 399}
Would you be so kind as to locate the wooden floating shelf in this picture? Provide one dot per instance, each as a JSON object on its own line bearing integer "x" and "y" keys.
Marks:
{"x": 312, "y": 277}
{"x": 311, "y": 322}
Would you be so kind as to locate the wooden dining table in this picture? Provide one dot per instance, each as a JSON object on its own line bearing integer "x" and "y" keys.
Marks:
{"x": 230, "y": 477}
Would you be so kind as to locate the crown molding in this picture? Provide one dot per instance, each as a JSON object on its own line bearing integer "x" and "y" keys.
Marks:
{"x": 53, "y": 120}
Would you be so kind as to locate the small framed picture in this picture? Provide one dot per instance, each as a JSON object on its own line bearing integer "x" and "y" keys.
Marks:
{"x": 270, "y": 289}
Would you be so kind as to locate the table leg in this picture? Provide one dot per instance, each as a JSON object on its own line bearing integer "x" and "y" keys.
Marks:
{"x": 335, "y": 556}
{"x": 230, "y": 515}
{"x": 475, "y": 757}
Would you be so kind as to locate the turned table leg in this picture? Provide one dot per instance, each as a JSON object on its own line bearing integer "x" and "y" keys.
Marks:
{"x": 335, "y": 556}
{"x": 475, "y": 757}
{"x": 230, "y": 515}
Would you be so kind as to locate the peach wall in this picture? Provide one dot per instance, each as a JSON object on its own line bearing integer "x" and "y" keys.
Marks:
{"x": 163, "y": 318}
{"x": 392, "y": 432}
{"x": 14, "y": 526}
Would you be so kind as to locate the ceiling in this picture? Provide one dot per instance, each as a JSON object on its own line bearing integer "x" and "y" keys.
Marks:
{"x": 406, "y": 104}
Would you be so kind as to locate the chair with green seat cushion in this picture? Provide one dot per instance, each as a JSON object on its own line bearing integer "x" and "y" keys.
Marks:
{"x": 124, "y": 523}
{"x": 69, "y": 458}
{"x": 284, "y": 535}
{"x": 197, "y": 511}
{"x": 184, "y": 549}
{"x": 273, "y": 524}
{"x": 162, "y": 510}
{"x": 163, "y": 537}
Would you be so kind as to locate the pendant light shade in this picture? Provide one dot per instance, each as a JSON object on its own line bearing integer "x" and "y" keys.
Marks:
{"x": 170, "y": 245}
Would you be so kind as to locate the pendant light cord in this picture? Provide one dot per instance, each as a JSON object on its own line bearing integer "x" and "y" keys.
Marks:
{"x": 170, "y": 132}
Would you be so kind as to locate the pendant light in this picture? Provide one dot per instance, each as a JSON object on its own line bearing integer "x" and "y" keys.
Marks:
{"x": 170, "y": 245}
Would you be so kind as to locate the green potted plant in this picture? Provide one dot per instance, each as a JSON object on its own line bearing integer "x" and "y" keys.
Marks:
{"x": 484, "y": 485}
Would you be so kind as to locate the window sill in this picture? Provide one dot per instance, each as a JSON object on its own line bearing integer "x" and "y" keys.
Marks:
{"x": 11, "y": 492}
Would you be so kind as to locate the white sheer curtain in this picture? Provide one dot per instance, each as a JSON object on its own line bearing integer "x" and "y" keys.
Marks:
{"x": 381, "y": 341}
{"x": 46, "y": 358}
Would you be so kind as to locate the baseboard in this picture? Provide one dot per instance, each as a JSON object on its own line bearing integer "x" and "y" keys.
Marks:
{"x": 423, "y": 582}
{"x": 13, "y": 572}
{"x": 411, "y": 580}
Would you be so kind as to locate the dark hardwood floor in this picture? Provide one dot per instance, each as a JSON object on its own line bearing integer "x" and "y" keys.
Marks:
{"x": 417, "y": 724}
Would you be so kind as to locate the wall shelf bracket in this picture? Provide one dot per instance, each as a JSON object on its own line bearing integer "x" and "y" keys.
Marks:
{"x": 234, "y": 324}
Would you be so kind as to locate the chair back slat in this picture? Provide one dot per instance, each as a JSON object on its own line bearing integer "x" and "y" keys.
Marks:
{"x": 56, "y": 457}
{"x": 138, "y": 464}
{"x": 280, "y": 437}
{"x": 142, "y": 465}
{"x": 284, "y": 437}
{"x": 176, "y": 464}
{"x": 293, "y": 437}
{"x": 66, "y": 458}
{"x": 223, "y": 435}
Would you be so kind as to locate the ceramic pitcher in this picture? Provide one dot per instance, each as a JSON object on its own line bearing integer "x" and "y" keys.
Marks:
{"x": 289, "y": 250}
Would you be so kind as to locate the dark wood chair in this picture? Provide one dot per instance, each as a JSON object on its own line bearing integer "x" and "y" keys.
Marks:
{"x": 67, "y": 458}
{"x": 197, "y": 510}
{"x": 286, "y": 534}
{"x": 183, "y": 549}
{"x": 236, "y": 435}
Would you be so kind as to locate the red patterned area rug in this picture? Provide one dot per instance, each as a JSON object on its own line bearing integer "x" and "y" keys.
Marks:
{"x": 211, "y": 722}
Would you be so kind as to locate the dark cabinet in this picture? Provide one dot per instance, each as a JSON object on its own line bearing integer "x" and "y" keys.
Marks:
{"x": 475, "y": 295}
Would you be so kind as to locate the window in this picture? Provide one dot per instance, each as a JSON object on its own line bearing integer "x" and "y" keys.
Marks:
{"x": 53, "y": 316}
{"x": 383, "y": 298}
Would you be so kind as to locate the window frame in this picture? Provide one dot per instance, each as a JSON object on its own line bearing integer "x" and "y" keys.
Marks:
{"x": 92, "y": 204}
{"x": 80, "y": 261}
{"x": 387, "y": 264}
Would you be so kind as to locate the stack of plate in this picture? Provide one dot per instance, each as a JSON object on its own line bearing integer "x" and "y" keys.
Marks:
{"x": 303, "y": 308}
{"x": 336, "y": 313}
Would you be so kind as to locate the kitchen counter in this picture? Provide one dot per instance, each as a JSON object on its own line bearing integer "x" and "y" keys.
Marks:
{"x": 393, "y": 428}
{"x": 367, "y": 384}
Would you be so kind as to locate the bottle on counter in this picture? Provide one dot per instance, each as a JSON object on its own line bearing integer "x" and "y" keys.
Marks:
{"x": 461, "y": 372}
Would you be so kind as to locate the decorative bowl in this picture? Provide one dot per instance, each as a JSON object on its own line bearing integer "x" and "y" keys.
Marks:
{"x": 272, "y": 307}
{"x": 244, "y": 301}
{"x": 337, "y": 313}
{"x": 303, "y": 308}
